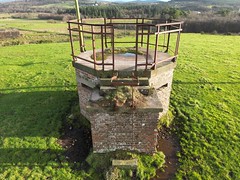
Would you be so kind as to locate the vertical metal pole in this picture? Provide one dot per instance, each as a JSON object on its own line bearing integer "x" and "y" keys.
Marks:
{"x": 136, "y": 56}
{"x": 79, "y": 27}
{"x": 102, "y": 44}
{"x": 156, "y": 47}
{"x": 177, "y": 43}
{"x": 113, "y": 58}
{"x": 142, "y": 32}
{"x": 132, "y": 97}
{"x": 168, "y": 40}
{"x": 147, "y": 47}
{"x": 93, "y": 47}
{"x": 71, "y": 40}
{"x": 105, "y": 29}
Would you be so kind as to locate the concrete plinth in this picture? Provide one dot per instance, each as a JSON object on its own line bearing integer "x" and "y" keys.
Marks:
{"x": 125, "y": 128}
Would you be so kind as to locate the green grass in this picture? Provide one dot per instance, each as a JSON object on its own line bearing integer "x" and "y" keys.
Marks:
{"x": 37, "y": 86}
{"x": 34, "y": 25}
{"x": 34, "y": 31}
{"x": 206, "y": 99}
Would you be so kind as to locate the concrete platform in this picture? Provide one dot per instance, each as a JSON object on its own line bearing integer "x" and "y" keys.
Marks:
{"x": 123, "y": 62}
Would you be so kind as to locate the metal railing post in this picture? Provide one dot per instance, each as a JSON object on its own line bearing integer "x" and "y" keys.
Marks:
{"x": 156, "y": 47}
{"x": 113, "y": 47}
{"x": 142, "y": 32}
{"x": 94, "y": 47}
{"x": 177, "y": 44}
{"x": 168, "y": 40}
{"x": 71, "y": 41}
{"x": 102, "y": 44}
{"x": 136, "y": 56}
{"x": 105, "y": 28}
{"x": 147, "y": 54}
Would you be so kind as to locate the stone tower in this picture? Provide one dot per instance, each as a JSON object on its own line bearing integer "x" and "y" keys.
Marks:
{"x": 124, "y": 83}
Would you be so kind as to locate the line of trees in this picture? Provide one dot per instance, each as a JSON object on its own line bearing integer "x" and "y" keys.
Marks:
{"x": 120, "y": 11}
{"x": 213, "y": 25}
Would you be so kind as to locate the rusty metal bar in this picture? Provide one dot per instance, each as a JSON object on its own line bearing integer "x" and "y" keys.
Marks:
{"x": 87, "y": 24}
{"x": 167, "y": 24}
{"x": 78, "y": 57}
{"x": 128, "y": 23}
{"x": 144, "y": 64}
{"x": 80, "y": 39}
{"x": 136, "y": 56}
{"x": 88, "y": 32}
{"x": 177, "y": 44}
{"x": 107, "y": 64}
{"x": 145, "y": 33}
{"x": 83, "y": 39}
{"x": 142, "y": 33}
{"x": 154, "y": 44}
{"x": 113, "y": 47}
{"x": 105, "y": 28}
{"x": 170, "y": 58}
{"x": 170, "y": 31}
{"x": 94, "y": 47}
{"x": 168, "y": 40}
{"x": 156, "y": 47}
{"x": 71, "y": 41}
{"x": 147, "y": 47}
{"x": 123, "y": 42}
{"x": 150, "y": 19}
{"x": 102, "y": 45}
{"x": 92, "y": 62}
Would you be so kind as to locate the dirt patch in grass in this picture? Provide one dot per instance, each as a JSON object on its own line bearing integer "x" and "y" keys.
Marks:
{"x": 169, "y": 145}
{"x": 76, "y": 139}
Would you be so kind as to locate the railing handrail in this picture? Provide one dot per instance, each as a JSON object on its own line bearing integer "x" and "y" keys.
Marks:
{"x": 140, "y": 24}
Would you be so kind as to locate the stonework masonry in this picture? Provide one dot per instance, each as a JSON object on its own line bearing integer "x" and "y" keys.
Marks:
{"x": 131, "y": 129}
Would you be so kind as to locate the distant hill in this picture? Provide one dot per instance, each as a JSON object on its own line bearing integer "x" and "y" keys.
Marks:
{"x": 1, "y": 1}
{"x": 91, "y": 1}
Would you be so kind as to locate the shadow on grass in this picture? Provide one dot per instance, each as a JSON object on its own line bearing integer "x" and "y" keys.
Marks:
{"x": 25, "y": 64}
{"x": 35, "y": 123}
{"x": 36, "y": 88}
{"x": 30, "y": 157}
{"x": 34, "y": 114}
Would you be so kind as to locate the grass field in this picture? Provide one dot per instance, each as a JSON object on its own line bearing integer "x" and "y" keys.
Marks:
{"x": 34, "y": 25}
{"x": 34, "y": 31}
{"x": 37, "y": 86}
{"x": 206, "y": 100}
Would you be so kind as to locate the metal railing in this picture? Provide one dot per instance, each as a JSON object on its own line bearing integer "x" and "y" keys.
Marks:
{"x": 147, "y": 34}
